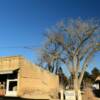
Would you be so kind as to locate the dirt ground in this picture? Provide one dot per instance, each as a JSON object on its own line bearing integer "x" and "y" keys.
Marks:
{"x": 88, "y": 95}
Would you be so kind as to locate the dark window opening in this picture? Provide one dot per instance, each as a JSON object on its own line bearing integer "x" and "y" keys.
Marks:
{"x": 13, "y": 75}
{"x": 13, "y": 86}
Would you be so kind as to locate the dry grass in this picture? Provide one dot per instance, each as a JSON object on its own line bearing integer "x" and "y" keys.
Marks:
{"x": 88, "y": 95}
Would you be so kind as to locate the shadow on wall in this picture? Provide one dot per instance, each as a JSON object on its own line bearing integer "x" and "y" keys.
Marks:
{"x": 12, "y": 98}
{"x": 15, "y": 98}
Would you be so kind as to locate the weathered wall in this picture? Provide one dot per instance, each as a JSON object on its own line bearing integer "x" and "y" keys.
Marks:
{"x": 9, "y": 63}
{"x": 35, "y": 80}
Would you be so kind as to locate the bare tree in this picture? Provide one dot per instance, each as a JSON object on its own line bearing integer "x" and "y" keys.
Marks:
{"x": 72, "y": 43}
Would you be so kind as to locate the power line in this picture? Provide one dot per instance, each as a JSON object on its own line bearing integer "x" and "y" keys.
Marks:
{"x": 32, "y": 47}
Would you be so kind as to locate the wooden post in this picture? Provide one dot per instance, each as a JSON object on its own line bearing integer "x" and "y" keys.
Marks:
{"x": 61, "y": 95}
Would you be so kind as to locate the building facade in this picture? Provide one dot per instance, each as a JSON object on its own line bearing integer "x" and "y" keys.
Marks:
{"x": 21, "y": 78}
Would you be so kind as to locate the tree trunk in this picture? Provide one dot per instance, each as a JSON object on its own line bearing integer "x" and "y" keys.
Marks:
{"x": 76, "y": 87}
{"x": 76, "y": 79}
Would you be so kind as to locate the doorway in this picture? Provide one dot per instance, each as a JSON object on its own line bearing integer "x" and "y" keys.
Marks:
{"x": 11, "y": 89}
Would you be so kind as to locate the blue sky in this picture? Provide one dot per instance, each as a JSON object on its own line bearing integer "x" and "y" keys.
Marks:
{"x": 23, "y": 22}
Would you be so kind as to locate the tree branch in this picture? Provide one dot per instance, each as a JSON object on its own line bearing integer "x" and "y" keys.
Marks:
{"x": 88, "y": 58}
{"x": 89, "y": 34}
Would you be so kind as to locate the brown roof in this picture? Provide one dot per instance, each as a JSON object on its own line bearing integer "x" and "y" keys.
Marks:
{"x": 98, "y": 78}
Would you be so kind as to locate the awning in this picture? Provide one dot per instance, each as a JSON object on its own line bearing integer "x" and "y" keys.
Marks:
{"x": 7, "y": 71}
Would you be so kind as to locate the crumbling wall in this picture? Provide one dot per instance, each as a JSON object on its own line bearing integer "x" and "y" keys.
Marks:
{"x": 37, "y": 81}
{"x": 9, "y": 63}
{"x": 33, "y": 81}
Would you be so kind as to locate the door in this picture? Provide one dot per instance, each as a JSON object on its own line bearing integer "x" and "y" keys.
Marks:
{"x": 11, "y": 89}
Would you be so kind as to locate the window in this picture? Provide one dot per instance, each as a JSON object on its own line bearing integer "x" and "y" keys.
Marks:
{"x": 13, "y": 86}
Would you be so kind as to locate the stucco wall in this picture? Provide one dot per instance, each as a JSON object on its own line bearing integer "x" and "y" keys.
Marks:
{"x": 35, "y": 80}
{"x": 9, "y": 63}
